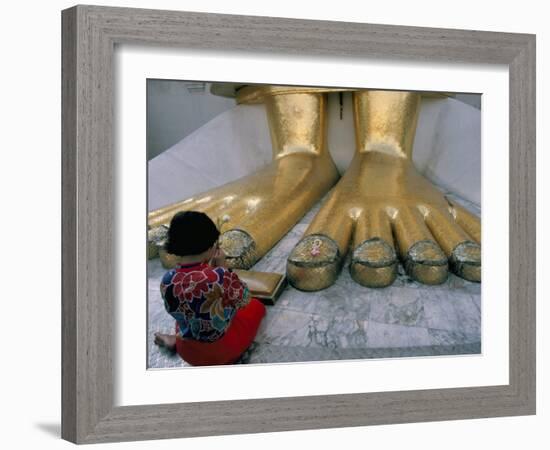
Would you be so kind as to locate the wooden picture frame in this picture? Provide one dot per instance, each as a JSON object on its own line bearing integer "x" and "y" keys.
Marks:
{"x": 89, "y": 36}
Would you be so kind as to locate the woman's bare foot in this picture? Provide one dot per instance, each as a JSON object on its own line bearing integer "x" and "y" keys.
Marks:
{"x": 167, "y": 341}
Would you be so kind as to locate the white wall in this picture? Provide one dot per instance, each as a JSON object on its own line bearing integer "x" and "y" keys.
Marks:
{"x": 174, "y": 111}
{"x": 30, "y": 186}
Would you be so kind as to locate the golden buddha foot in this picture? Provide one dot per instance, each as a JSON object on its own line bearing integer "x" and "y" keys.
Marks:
{"x": 386, "y": 210}
{"x": 259, "y": 209}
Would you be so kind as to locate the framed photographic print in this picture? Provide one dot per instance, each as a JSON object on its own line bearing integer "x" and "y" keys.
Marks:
{"x": 246, "y": 200}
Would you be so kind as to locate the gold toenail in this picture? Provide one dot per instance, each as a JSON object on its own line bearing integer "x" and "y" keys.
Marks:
{"x": 311, "y": 272}
{"x": 425, "y": 262}
{"x": 374, "y": 263}
{"x": 155, "y": 240}
{"x": 465, "y": 261}
{"x": 239, "y": 248}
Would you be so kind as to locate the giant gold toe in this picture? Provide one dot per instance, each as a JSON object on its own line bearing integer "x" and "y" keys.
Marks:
{"x": 315, "y": 263}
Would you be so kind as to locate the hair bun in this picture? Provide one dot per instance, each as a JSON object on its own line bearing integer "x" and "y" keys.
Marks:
{"x": 191, "y": 233}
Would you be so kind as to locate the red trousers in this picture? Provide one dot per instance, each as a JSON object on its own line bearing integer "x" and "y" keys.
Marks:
{"x": 226, "y": 350}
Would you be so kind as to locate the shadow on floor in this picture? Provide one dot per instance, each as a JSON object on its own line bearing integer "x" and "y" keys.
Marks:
{"x": 53, "y": 429}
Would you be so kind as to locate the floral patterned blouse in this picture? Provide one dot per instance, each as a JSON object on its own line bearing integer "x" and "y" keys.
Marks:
{"x": 203, "y": 299}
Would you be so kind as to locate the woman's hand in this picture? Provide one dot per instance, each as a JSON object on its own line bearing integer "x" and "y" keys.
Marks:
{"x": 219, "y": 258}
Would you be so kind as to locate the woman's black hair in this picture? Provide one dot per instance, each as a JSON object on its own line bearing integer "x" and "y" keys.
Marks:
{"x": 191, "y": 233}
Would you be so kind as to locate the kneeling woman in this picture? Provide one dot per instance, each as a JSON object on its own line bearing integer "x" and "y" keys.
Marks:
{"x": 216, "y": 320}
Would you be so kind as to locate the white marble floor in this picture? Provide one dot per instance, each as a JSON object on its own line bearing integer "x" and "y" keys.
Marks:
{"x": 346, "y": 321}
